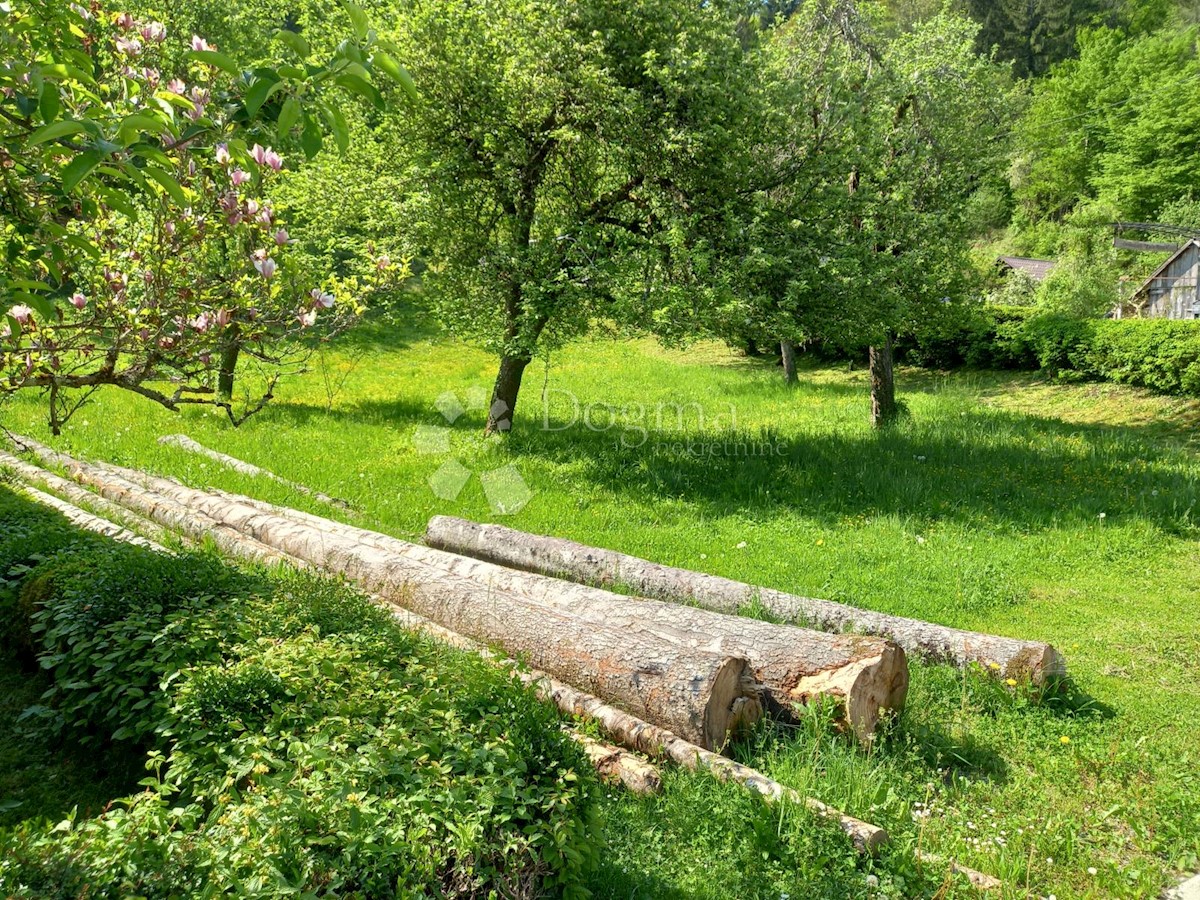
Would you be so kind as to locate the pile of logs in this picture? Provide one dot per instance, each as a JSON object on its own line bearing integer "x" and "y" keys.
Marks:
{"x": 672, "y": 673}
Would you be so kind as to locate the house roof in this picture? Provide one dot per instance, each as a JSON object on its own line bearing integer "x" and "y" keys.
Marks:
{"x": 1194, "y": 242}
{"x": 1037, "y": 269}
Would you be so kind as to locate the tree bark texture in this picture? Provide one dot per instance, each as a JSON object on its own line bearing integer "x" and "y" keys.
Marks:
{"x": 883, "y": 383}
{"x": 1002, "y": 656}
{"x": 787, "y": 351}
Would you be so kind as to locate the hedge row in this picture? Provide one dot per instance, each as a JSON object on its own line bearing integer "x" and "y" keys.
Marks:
{"x": 300, "y": 742}
{"x": 1156, "y": 353}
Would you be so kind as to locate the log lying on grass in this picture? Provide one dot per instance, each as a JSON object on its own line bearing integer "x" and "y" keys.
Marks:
{"x": 184, "y": 442}
{"x": 79, "y": 499}
{"x": 643, "y": 737}
{"x": 866, "y": 675}
{"x": 617, "y": 766}
{"x": 1008, "y": 657}
{"x": 702, "y": 696}
{"x": 88, "y": 522}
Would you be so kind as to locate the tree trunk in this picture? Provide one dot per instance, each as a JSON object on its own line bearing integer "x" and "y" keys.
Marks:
{"x": 787, "y": 351}
{"x": 617, "y": 766}
{"x": 794, "y": 665}
{"x": 504, "y": 395}
{"x": 883, "y": 384}
{"x": 1001, "y": 656}
{"x": 183, "y": 442}
{"x": 231, "y": 348}
{"x": 643, "y": 737}
{"x": 699, "y": 695}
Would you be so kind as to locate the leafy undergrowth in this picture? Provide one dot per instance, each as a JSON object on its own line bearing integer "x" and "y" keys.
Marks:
{"x": 297, "y": 740}
{"x": 1003, "y": 503}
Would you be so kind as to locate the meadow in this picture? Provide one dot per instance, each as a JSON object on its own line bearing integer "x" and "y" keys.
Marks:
{"x": 1008, "y": 503}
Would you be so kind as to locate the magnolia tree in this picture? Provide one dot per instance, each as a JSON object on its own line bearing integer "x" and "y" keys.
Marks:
{"x": 142, "y": 247}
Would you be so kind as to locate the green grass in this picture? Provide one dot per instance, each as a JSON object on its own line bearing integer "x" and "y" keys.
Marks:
{"x": 1003, "y": 503}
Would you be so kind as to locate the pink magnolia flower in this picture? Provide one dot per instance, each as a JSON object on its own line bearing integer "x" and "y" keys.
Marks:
{"x": 281, "y": 237}
{"x": 273, "y": 160}
{"x": 154, "y": 31}
{"x": 130, "y": 46}
{"x": 264, "y": 215}
{"x": 251, "y": 208}
{"x": 383, "y": 262}
{"x": 239, "y": 177}
{"x": 222, "y": 154}
{"x": 125, "y": 21}
{"x": 78, "y": 300}
{"x": 169, "y": 228}
{"x": 21, "y": 313}
{"x": 201, "y": 322}
{"x": 258, "y": 153}
{"x": 152, "y": 77}
{"x": 199, "y": 43}
{"x": 205, "y": 358}
{"x": 321, "y": 298}
{"x": 307, "y": 319}
{"x": 176, "y": 86}
{"x": 265, "y": 265}
{"x": 222, "y": 318}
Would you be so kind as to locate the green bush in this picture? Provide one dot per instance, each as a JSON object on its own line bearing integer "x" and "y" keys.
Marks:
{"x": 301, "y": 742}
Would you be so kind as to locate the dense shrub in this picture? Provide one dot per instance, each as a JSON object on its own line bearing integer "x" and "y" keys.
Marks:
{"x": 301, "y": 743}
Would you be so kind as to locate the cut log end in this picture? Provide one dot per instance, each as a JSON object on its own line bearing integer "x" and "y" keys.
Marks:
{"x": 868, "y": 689}
{"x": 617, "y": 766}
{"x": 731, "y": 709}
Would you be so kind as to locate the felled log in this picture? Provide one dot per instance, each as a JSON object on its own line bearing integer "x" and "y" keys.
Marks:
{"x": 80, "y": 500}
{"x": 617, "y": 766}
{"x": 1007, "y": 657}
{"x": 794, "y": 665}
{"x": 703, "y": 696}
{"x": 184, "y": 442}
{"x": 644, "y": 737}
{"x": 85, "y": 520}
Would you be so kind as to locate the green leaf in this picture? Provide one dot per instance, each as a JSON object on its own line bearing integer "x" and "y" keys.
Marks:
{"x": 337, "y": 125}
{"x": 168, "y": 184}
{"x": 78, "y": 168}
{"x": 397, "y": 73}
{"x": 357, "y": 85}
{"x": 50, "y": 106}
{"x": 132, "y": 127}
{"x": 311, "y": 139}
{"x": 296, "y": 42}
{"x": 358, "y": 18}
{"x": 56, "y": 130}
{"x": 220, "y": 60}
{"x": 259, "y": 93}
{"x": 288, "y": 116}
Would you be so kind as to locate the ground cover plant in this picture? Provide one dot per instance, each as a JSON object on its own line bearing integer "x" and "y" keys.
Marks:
{"x": 296, "y": 740}
{"x": 1003, "y": 502}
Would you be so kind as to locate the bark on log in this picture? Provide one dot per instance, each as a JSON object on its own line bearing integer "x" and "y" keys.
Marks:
{"x": 794, "y": 665}
{"x": 1006, "y": 657}
{"x": 644, "y": 737}
{"x": 617, "y": 766}
{"x": 703, "y": 696}
{"x": 184, "y": 442}
{"x": 83, "y": 500}
{"x": 87, "y": 521}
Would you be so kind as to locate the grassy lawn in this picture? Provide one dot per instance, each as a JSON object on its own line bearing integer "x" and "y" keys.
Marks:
{"x": 1002, "y": 503}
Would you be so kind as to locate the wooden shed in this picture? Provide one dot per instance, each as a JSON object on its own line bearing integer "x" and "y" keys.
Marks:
{"x": 1172, "y": 292}
{"x": 1037, "y": 269}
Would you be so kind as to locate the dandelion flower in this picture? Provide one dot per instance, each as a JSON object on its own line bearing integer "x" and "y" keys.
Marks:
{"x": 1064, "y": 740}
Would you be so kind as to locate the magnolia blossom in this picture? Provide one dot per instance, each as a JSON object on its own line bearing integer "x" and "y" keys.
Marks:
{"x": 125, "y": 21}
{"x": 21, "y": 313}
{"x": 321, "y": 298}
{"x": 201, "y": 322}
{"x": 222, "y": 318}
{"x": 199, "y": 43}
{"x": 265, "y": 156}
{"x": 251, "y": 207}
{"x": 239, "y": 177}
{"x": 130, "y": 46}
{"x": 383, "y": 262}
{"x": 265, "y": 265}
{"x": 222, "y": 154}
{"x": 151, "y": 77}
{"x": 154, "y": 31}
{"x": 176, "y": 86}
{"x": 78, "y": 300}
{"x": 264, "y": 215}
{"x": 169, "y": 228}
{"x": 281, "y": 237}
{"x": 307, "y": 319}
